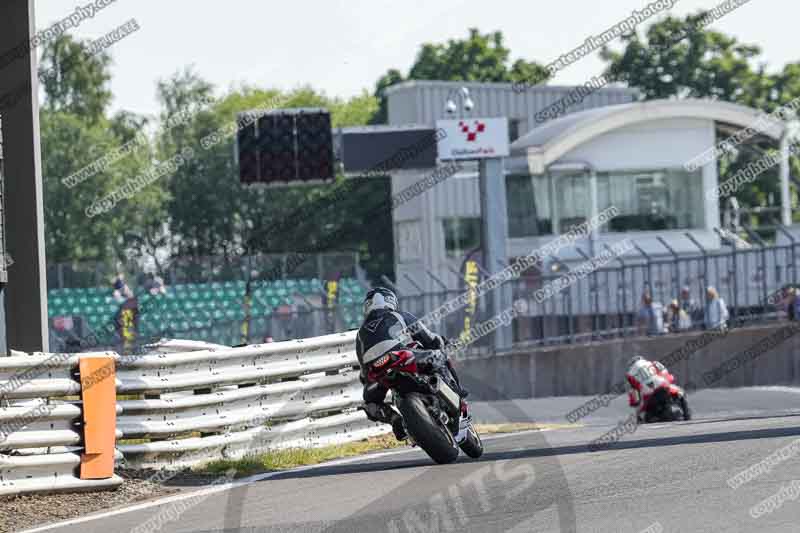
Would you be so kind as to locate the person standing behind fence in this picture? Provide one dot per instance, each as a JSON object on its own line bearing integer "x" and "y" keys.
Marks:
{"x": 677, "y": 318}
{"x": 690, "y": 306}
{"x": 716, "y": 314}
{"x": 650, "y": 319}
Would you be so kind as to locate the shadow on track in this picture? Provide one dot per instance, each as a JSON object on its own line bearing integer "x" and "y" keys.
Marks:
{"x": 489, "y": 456}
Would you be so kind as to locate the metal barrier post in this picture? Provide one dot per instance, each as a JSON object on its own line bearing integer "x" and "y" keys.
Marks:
{"x": 99, "y": 395}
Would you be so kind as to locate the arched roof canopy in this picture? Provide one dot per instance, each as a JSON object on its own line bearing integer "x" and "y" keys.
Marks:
{"x": 547, "y": 143}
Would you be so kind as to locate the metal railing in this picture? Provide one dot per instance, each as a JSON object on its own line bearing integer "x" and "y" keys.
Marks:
{"x": 192, "y": 403}
{"x": 605, "y": 304}
{"x": 231, "y": 402}
{"x": 602, "y": 305}
{"x": 42, "y": 433}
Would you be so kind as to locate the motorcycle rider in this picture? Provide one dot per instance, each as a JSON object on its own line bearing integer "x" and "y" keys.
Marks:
{"x": 381, "y": 333}
{"x": 644, "y": 379}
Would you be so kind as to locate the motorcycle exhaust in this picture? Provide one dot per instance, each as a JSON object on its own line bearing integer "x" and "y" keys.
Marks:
{"x": 446, "y": 393}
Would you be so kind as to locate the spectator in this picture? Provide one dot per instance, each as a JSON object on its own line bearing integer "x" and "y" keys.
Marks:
{"x": 650, "y": 319}
{"x": 126, "y": 319}
{"x": 689, "y": 305}
{"x": 119, "y": 288}
{"x": 793, "y": 304}
{"x": 677, "y": 318}
{"x": 716, "y": 313}
{"x": 155, "y": 285}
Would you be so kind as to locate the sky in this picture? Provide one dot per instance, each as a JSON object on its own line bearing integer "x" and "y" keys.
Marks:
{"x": 343, "y": 46}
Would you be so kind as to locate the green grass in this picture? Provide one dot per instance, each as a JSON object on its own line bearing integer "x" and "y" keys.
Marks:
{"x": 291, "y": 458}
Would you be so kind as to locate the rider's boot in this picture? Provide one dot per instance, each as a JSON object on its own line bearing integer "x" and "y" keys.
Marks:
{"x": 397, "y": 427}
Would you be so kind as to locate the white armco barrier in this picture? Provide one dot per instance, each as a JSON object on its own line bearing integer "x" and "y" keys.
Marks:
{"x": 247, "y": 400}
{"x": 198, "y": 402}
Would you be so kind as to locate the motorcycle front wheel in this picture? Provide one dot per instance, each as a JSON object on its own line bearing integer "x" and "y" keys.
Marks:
{"x": 428, "y": 433}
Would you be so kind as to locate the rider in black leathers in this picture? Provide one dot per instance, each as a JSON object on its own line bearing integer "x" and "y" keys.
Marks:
{"x": 380, "y": 333}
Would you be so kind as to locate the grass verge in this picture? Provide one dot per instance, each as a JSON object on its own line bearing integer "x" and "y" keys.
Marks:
{"x": 292, "y": 458}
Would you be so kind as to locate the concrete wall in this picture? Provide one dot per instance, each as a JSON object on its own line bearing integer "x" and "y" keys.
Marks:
{"x": 595, "y": 368}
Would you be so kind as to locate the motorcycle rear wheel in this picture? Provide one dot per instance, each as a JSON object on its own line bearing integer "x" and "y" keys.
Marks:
{"x": 429, "y": 434}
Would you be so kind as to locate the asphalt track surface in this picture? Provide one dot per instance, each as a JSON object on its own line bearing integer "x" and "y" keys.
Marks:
{"x": 661, "y": 477}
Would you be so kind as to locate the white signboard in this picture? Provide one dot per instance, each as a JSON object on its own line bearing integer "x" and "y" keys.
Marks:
{"x": 473, "y": 138}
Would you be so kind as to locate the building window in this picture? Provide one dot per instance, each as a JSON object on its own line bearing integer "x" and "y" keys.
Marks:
{"x": 461, "y": 235}
{"x": 573, "y": 200}
{"x": 513, "y": 129}
{"x": 528, "y": 206}
{"x": 652, "y": 201}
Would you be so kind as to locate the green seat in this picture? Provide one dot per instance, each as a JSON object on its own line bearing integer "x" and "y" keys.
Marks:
{"x": 234, "y": 293}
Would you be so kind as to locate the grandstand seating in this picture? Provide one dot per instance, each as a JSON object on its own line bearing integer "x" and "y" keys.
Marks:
{"x": 208, "y": 311}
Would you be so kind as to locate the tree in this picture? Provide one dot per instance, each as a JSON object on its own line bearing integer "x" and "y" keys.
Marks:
{"x": 212, "y": 213}
{"x": 479, "y": 57}
{"x": 679, "y": 58}
{"x": 75, "y": 132}
{"x": 73, "y": 81}
{"x": 392, "y": 77}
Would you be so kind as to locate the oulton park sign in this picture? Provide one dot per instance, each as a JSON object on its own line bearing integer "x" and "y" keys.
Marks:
{"x": 473, "y": 138}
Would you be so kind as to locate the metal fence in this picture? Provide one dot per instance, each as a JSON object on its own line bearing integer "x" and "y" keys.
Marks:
{"x": 200, "y": 269}
{"x": 602, "y": 305}
{"x": 605, "y": 303}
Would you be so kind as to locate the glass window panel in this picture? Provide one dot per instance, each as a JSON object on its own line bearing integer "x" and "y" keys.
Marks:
{"x": 461, "y": 235}
{"x": 528, "y": 206}
{"x": 652, "y": 201}
{"x": 572, "y": 195}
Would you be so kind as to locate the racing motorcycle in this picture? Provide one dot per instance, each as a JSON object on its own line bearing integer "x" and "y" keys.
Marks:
{"x": 434, "y": 415}
{"x": 667, "y": 404}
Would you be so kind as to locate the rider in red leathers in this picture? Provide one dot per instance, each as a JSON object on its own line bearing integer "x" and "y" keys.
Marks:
{"x": 644, "y": 379}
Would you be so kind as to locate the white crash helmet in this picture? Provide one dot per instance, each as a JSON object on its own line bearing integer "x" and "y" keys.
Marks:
{"x": 633, "y": 360}
{"x": 379, "y": 298}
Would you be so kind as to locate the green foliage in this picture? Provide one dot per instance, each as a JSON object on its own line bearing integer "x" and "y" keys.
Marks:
{"x": 73, "y": 81}
{"x": 212, "y": 213}
{"x": 702, "y": 63}
{"x": 68, "y": 144}
{"x": 479, "y": 57}
{"x": 75, "y": 132}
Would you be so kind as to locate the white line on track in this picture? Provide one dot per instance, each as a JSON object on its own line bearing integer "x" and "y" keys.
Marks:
{"x": 244, "y": 481}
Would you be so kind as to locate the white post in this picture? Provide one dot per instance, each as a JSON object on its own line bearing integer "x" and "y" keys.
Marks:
{"x": 594, "y": 210}
{"x": 786, "y": 201}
